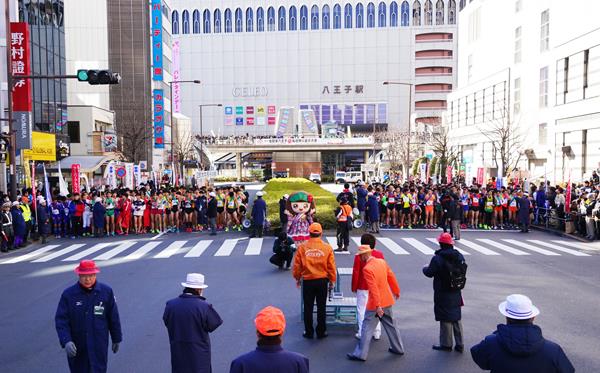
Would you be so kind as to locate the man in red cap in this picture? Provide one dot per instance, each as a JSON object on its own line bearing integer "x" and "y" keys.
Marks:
{"x": 87, "y": 313}
{"x": 269, "y": 356}
{"x": 314, "y": 265}
{"x": 448, "y": 269}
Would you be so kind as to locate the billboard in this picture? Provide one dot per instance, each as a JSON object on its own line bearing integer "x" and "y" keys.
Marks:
{"x": 20, "y": 61}
{"x": 159, "y": 120}
{"x": 43, "y": 147}
{"x": 157, "y": 53}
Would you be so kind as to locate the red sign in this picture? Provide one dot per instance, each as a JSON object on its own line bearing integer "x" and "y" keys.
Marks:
{"x": 568, "y": 196}
{"x": 249, "y": 109}
{"x": 271, "y": 121}
{"x": 480, "y": 176}
{"x": 271, "y": 110}
{"x": 250, "y": 121}
{"x": 20, "y": 62}
{"x": 75, "y": 177}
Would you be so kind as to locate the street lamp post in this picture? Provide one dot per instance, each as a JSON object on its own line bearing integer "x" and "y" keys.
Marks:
{"x": 201, "y": 139}
{"x": 195, "y": 81}
{"x": 410, "y": 86}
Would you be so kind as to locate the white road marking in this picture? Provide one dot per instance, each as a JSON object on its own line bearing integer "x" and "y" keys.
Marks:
{"x": 91, "y": 250}
{"x": 32, "y": 254}
{"x": 419, "y": 246}
{"x": 577, "y": 245}
{"x": 58, "y": 253}
{"x": 254, "y": 246}
{"x": 501, "y": 246}
{"x": 227, "y": 247}
{"x": 332, "y": 241}
{"x": 558, "y": 248}
{"x": 149, "y": 246}
{"x": 532, "y": 248}
{"x": 172, "y": 249}
{"x": 435, "y": 242}
{"x": 198, "y": 249}
{"x": 116, "y": 251}
{"x": 392, "y": 246}
{"x": 158, "y": 235}
{"x": 477, "y": 247}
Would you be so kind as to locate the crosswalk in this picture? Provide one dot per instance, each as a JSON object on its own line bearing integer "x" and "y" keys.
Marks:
{"x": 129, "y": 250}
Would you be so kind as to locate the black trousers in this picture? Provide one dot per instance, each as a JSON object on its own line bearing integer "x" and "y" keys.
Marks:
{"x": 257, "y": 230}
{"x": 343, "y": 235}
{"x": 314, "y": 290}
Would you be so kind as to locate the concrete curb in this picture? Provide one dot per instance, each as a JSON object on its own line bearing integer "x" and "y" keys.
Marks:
{"x": 561, "y": 234}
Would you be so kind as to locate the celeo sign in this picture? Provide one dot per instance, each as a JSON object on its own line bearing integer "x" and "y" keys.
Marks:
{"x": 20, "y": 66}
{"x": 250, "y": 92}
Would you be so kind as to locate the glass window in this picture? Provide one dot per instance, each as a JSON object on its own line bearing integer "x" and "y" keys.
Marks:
{"x": 359, "y": 114}
{"x": 337, "y": 16}
{"x": 337, "y": 113}
{"x": 542, "y": 133}
{"x": 185, "y": 21}
{"x": 175, "y": 23}
{"x": 281, "y": 16}
{"x": 260, "y": 20}
{"x": 293, "y": 18}
{"x": 228, "y": 20}
{"x": 404, "y": 13}
{"x": 348, "y": 114}
{"x": 394, "y": 14}
{"x": 416, "y": 13}
{"x": 347, "y": 16}
{"x": 239, "y": 24}
{"x": 314, "y": 18}
{"x": 545, "y": 31}
{"x": 451, "y": 12}
{"x": 249, "y": 20}
{"x": 544, "y": 87}
{"x": 370, "y": 15}
{"x": 517, "y": 93}
{"x": 326, "y": 113}
{"x": 73, "y": 130}
{"x": 381, "y": 113}
{"x": 303, "y": 18}
{"x": 381, "y": 11}
{"x": 196, "y": 22}
{"x": 217, "y": 15}
{"x": 370, "y": 113}
{"x": 360, "y": 15}
{"x": 325, "y": 14}
{"x": 271, "y": 19}
{"x": 518, "y": 44}
{"x": 317, "y": 110}
{"x": 439, "y": 12}
{"x": 428, "y": 13}
{"x": 206, "y": 21}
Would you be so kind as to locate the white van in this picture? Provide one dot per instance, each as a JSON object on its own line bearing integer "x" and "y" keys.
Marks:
{"x": 342, "y": 177}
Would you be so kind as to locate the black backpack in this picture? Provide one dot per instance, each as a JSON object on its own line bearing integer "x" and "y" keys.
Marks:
{"x": 457, "y": 272}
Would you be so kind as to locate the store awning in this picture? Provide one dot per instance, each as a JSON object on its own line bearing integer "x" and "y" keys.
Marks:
{"x": 87, "y": 163}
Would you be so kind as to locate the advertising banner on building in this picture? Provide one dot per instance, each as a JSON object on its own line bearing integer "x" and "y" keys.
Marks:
{"x": 271, "y": 121}
{"x": 260, "y": 121}
{"x": 249, "y": 109}
{"x": 157, "y": 52}
{"x": 109, "y": 142}
{"x": 176, "y": 66}
{"x": 271, "y": 110}
{"x": 20, "y": 61}
{"x": 239, "y": 121}
{"x": 284, "y": 121}
{"x": 159, "y": 120}
{"x": 43, "y": 147}
{"x": 309, "y": 122}
{"x": 239, "y": 110}
{"x": 75, "y": 178}
{"x": 250, "y": 121}
{"x": 260, "y": 110}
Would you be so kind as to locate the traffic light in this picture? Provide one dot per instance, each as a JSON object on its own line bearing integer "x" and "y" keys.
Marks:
{"x": 95, "y": 77}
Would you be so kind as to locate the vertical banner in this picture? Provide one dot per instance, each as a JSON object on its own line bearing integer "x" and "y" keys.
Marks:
{"x": 75, "y": 177}
{"x": 424, "y": 176}
{"x": 20, "y": 61}
{"x": 47, "y": 186}
{"x": 62, "y": 184}
{"x": 129, "y": 175}
{"x": 283, "y": 121}
{"x": 176, "y": 78}
{"x": 449, "y": 171}
{"x": 157, "y": 53}
{"x": 159, "y": 120}
{"x": 480, "y": 175}
{"x": 568, "y": 195}
{"x": 33, "y": 186}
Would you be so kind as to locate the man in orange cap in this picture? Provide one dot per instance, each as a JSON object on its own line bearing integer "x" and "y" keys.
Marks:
{"x": 383, "y": 290}
{"x": 269, "y": 356}
{"x": 87, "y": 313}
{"x": 314, "y": 264}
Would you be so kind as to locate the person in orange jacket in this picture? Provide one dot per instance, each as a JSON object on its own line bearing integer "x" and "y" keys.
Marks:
{"x": 314, "y": 264}
{"x": 359, "y": 284}
{"x": 383, "y": 290}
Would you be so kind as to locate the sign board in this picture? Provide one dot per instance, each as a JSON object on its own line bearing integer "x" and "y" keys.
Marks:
{"x": 367, "y": 167}
{"x": 143, "y": 165}
{"x": 159, "y": 120}
{"x": 20, "y": 61}
{"x": 176, "y": 77}
{"x": 109, "y": 142}
{"x": 157, "y": 52}
{"x": 75, "y": 178}
{"x": 121, "y": 172}
{"x": 43, "y": 147}
{"x": 284, "y": 121}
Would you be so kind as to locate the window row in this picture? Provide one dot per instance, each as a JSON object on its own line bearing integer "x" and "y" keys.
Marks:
{"x": 349, "y": 113}
{"x": 316, "y": 18}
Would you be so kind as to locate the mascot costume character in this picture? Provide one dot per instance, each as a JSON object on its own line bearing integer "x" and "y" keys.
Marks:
{"x": 300, "y": 210}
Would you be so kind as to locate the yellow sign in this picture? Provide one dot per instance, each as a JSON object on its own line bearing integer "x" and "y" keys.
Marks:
{"x": 43, "y": 147}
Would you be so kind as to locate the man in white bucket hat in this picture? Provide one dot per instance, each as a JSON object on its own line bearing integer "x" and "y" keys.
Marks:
{"x": 519, "y": 345}
{"x": 189, "y": 319}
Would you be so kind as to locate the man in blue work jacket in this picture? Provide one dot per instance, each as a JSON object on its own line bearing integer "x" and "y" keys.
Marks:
{"x": 259, "y": 214}
{"x": 86, "y": 314}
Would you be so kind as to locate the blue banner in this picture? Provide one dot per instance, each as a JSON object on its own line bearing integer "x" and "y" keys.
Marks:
{"x": 157, "y": 52}
{"x": 159, "y": 120}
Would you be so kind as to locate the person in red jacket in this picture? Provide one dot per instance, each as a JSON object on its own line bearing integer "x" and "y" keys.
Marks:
{"x": 383, "y": 291}
{"x": 359, "y": 284}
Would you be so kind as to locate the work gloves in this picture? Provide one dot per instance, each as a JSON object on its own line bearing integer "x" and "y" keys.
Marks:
{"x": 71, "y": 349}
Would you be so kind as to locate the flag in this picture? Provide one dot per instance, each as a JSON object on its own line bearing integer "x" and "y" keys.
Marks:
{"x": 33, "y": 197}
{"x": 47, "y": 186}
{"x": 62, "y": 184}
{"x": 568, "y": 196}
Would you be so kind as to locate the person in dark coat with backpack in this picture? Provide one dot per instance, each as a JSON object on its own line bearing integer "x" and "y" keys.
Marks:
{"x": 518, "y": 345}
{"x": 189, "y": 319}
{"x": 447, "y": 297}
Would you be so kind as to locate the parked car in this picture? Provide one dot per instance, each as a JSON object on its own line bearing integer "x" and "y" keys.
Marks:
{"x": 342, "y": 177}
{"x": 315, "y": 178}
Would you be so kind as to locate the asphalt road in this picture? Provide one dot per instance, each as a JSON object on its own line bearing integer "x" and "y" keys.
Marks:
{"x": 562, "y": 281}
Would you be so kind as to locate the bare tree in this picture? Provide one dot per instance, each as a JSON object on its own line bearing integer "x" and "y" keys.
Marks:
{"x": 503, "y": 132}
{"x": 395, "y": 145}
{"x": 135, "y": 136}
{"x": 439, "y": 142}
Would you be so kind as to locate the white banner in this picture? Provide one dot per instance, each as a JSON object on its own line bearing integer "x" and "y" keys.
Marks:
{"x": 424, "y": 172}
{"x": 176, "y": 76}
{"x": 137, "y": 174}
{"x": 129, "y": 175}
